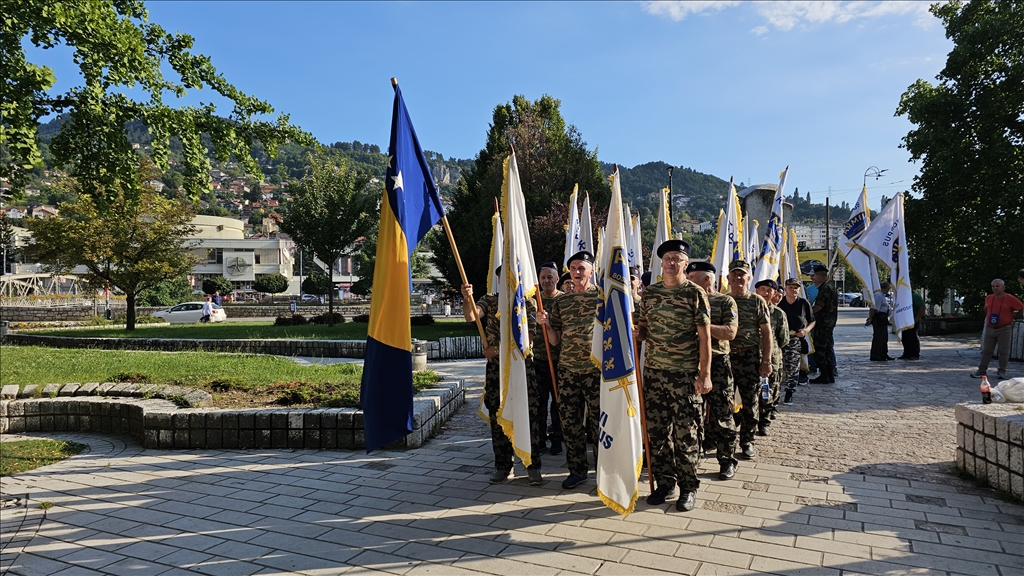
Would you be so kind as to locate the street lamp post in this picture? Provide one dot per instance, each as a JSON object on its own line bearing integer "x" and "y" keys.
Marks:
{"x": 671, "y": 206}
{"x": 873, "y": 171}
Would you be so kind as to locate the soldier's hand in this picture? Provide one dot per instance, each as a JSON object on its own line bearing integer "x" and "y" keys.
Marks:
{"x": 541, "y": 317}
{"x": 490, "y": 352}
{"x": 702, "y": 384}
{"x": 765, "y": 369}
{"x": 467, "y": 291}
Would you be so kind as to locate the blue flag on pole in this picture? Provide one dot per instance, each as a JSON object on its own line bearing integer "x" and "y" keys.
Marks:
{"x": 409, "y": 208}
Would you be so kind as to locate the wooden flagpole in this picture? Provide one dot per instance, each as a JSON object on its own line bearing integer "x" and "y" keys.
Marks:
{"x": 547, "y": 346}
{"x": 455, "y": 252}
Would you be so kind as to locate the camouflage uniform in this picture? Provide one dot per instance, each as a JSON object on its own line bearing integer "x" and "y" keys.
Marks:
{"x": 780, "y": 333}
{"x": 798, "y": 316}
{"x": 720, "y": 427}
{"x": 824, "y": 326}
{"x": 672, "y": 405}
{"x": 500, "y": 443}
{"x": 578, "y": 378}
{"x": 545, "y": 386}
{"x": 745, "y": 356}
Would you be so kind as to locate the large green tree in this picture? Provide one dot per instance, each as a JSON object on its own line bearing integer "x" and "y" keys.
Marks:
{"x": 328, "y": 210}
{"x": 964, "y": 220}
{"x": 552, "y": 158}
{"x": 117, "y": 50}
{"x": 138, "y": 241}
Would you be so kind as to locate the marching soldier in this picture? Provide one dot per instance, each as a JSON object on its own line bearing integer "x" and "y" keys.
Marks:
{"x": 570, "y": 323}
{"x": 487, "y": 310}
{"x": 720, "y": 428}
{"x": 674, "y": 319}
{"x": 750, "y": 353}
{"x": 769, "y": 290}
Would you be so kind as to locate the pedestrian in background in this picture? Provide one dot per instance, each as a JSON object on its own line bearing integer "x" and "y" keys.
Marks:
{"x": 826, "y": 313}
{"x": 878, "y": 319}
{"x": 1000, "y": 310}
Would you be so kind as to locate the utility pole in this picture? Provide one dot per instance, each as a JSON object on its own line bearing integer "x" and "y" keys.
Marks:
{"x": 671, "y": 205}
{"x": 828, "y": 222}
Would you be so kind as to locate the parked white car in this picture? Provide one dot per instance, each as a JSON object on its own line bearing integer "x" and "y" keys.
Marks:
{"x": 190, "y": 313}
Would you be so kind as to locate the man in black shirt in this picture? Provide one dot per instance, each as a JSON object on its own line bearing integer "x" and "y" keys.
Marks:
{"x": 801, "y": 321}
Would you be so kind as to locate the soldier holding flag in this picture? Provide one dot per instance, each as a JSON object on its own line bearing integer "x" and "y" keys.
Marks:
{"x": 674, "y": 318}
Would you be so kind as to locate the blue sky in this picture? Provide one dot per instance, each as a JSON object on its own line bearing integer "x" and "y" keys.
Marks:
{"x": 726, "y": 88}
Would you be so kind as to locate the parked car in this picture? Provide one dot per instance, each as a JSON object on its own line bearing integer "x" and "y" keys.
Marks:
{"x": 312, "y": 299}
{"x": 190, "y": 313}
{"x": 857, "y": 302}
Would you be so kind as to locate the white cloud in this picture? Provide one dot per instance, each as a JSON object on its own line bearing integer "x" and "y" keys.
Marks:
{"x": 785, "y": 16}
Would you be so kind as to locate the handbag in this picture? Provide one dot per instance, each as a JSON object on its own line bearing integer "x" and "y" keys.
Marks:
{"x": 804, "y": 346}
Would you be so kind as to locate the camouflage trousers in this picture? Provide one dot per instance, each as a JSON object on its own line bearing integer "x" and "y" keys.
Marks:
{"x": 824, "y": 353}
{"x": 768, "y": 408}
{"x": 791, "y": 361}
{"x": 547, "y": 393}
{"x": 744, "y": 372}
{"x": 674, "y": 414}
{"x": 502, "y": 446}
{"x": 579, "y": 400}
{"x": 720, "y": 427}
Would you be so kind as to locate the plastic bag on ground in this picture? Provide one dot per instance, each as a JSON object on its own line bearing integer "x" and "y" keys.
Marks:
{"x": 1009, "y": 391}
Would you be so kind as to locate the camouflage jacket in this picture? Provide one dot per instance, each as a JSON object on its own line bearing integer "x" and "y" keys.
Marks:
{"x": 573, "y": 314}
{"x": 672, "y": 315}
{"x": 752, "y": 311}
{"x": 492, "y": 323}
{"x": 828, "y": 299}
{"x": 723, "y": 313}
{"x": 540, "y": 353}
{"x": 780, "y": 331}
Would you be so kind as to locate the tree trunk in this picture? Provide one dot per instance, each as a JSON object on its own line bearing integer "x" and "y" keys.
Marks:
{"x": 330, "y": 296}
{"x": 130, "y": 312}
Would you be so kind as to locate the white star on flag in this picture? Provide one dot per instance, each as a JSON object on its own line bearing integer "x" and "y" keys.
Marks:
{"x": 398, "y": 181}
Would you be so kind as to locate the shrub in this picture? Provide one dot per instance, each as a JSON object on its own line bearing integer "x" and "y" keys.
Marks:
{"x": 293, "y": 320}
{"x": 323, "y": 319}
{"x": 361, "y": 319}
{"x": 270, "y": 283}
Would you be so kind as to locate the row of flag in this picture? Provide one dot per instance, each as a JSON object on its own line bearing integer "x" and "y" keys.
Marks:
{"x": 411, "y": 205}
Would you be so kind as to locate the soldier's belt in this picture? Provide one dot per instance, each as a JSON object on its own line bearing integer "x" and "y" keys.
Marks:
{"x": 742, "y": 349}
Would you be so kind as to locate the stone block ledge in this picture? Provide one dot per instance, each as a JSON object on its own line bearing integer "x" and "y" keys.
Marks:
{"x": 990, "y": 444}
{"x": 183, "y": 395}
{"x": 160, "y": 423}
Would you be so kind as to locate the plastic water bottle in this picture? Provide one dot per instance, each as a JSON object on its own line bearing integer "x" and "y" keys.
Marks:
{"x": 765, "y": 389}
{"x": 986, "y": 391}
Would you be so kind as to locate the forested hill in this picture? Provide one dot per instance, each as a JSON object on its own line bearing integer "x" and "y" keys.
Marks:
{"x": 698, "y": 195}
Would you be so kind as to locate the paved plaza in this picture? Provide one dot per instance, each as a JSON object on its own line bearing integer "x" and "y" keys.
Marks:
{"x": 856, "y": 478}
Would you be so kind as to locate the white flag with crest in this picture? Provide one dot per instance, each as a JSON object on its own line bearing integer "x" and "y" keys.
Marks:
{"x": 729, "y": 240}
{"x": 661, "y": 235}
{"x": 572, "y": 230}
{"x": 861, "y": 262}
{"x": 620, "y": 440}
{"x": 586, "y": 228}
{"x": 518, "y": 277}
{"x": 886, "y": 239}
{"x": 771, "y": 249}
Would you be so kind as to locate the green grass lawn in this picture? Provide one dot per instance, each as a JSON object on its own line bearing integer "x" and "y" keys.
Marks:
{"x": 233, "y": 379}
{"x": 261, "y": 331}
{"x": 25, "y": 455}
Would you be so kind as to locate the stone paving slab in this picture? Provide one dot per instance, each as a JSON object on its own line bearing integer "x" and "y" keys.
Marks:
{"x": 856, "y": 478}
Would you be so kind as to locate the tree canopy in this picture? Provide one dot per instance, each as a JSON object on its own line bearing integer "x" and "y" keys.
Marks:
{"x": 964, "y": 218}
{"x": 271, "y": 283}
{"x": 552, "y": 158}
{"x": 118, "y": 50}
{"x": 138, "y": 241}
{"x": 329, "y": 209}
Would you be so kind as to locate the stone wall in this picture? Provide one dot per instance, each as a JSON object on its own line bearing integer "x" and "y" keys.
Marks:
{"x": 162, "y": 424}
{"x": 1017, "y": 341}
{"x": 990, "y": 445}
{"x": 957, "y": 325}
{"x": 66, "y": 313}
{"x": 445, "y": 349}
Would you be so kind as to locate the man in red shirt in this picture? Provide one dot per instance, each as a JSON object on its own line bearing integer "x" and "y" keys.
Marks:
{"x": 1000, "y": 310}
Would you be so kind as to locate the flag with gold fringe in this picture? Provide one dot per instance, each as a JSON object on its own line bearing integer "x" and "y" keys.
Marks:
{"x": 729, "y": 240}
{"x": 620, "y": 439}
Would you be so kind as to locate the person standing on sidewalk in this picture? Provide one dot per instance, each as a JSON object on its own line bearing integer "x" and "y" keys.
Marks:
{"x": 548, "y": 277}
{"x": 487, "y": 310}
{"x": 720, "y": 429}
{"x": 801, "y": 322}
{"x": 750, "y": 353}
{"x": 570, "y": 323}
{"x": 878, "y": 319}
{"x": 674, "y": 319}
{"x": 1000, "y": 310}
{"x": 768, "y": 289}
{"x": 826, "y": 313}
{"x": 909, "y": 337}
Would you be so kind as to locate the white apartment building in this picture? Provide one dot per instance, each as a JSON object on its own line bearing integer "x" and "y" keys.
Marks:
{"x": 813, "y": 234}
{"x": 223, "y": 250}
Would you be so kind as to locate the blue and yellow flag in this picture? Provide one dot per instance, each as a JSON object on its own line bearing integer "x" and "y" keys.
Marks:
{"x": 409, "y": 208}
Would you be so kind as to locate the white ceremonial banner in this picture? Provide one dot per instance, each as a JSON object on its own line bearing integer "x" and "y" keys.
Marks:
{"x": 861, "y": 262}
{"x": 661, "y": 235}
{"x": 886, "y": 239}
{"x": 620, "y": 440}
{"x": 572, "y": 230}
{"x": 771, "y": 249}
{"x": 586, "y": 228}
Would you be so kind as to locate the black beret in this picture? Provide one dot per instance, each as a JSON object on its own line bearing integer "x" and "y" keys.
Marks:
{"x": 793, "y": 282}
{"x": 551, "y": 265}
{"x": 645, "y": 279}
{"x": 701, "y": 266}
{"x": 581, "y": 255}
{"x": 739, "y": 265}
{"x": 673, "y": 246}
{"x": 563, "y": 278}
{"x": 819, "y": 268}
{"x": 769, "y": 283}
